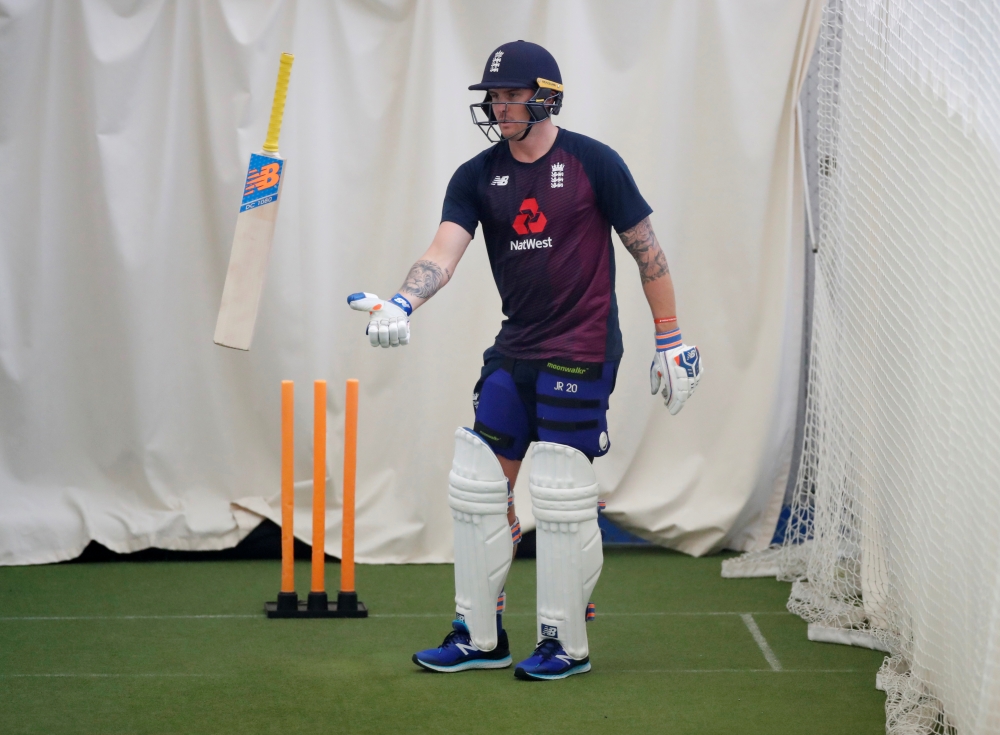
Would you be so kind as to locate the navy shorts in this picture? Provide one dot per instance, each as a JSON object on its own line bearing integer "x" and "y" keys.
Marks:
{"x": 521, "y": 401}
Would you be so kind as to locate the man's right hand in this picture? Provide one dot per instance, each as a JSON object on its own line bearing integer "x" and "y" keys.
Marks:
{"x": 389, "y": 324}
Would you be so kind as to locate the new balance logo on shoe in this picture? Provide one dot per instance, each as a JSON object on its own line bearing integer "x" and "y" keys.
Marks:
{"x": 499, "y": 181}
{"x": 466, "y": 649}
{"x": 565, "y": 658}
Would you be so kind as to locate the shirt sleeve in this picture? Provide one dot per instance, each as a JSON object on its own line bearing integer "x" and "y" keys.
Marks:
{"x": 617, "y": 194}
{"x": 461, "y": 201}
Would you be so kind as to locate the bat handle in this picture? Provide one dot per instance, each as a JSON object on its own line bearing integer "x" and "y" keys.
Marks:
{"x": 278, "y": 108}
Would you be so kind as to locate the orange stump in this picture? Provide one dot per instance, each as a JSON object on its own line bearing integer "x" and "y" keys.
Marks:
{"x": 319, "y": 487}
{"x": 318, "y": 605}
{"x": 350, "y": 474}
{"x": 287, "y": 599}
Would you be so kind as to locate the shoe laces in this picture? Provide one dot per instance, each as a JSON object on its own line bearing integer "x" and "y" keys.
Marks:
{"x": 453, "y": 636}
{"x": 547, "y": 648}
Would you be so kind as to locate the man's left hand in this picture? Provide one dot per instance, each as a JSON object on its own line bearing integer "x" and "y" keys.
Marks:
{"x": 676, "y": 371}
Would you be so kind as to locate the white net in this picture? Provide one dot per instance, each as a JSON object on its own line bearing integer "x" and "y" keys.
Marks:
{"x": 895, "y": 530}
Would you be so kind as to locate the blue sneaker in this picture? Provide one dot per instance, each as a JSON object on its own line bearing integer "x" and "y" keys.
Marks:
{"x": 550, "y": 661}
{"x": 459, "y": 653}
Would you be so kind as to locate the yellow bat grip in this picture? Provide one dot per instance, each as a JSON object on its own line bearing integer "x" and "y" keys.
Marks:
{"x": 278, "y": 108}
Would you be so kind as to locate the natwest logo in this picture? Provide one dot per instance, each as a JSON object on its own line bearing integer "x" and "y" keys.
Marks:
{"x": 529, "y": 219}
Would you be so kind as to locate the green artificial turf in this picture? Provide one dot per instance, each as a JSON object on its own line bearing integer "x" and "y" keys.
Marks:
{"x": 100, "y": 648}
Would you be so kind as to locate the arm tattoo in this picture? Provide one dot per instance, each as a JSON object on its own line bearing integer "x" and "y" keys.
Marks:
{"x": 425, "y": 279}
{"x": 641, "y": 242}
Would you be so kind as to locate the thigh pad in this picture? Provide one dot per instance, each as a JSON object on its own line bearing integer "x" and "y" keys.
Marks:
{"x": 572, "y": 405}
{"x": 502, "y": 419}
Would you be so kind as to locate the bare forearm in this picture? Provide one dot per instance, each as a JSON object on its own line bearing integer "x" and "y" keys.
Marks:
{"x": 641, "y": 243}
{"x": 660, "y": 295}
{"x": 436, "y": 267}
{"x": 426, "y": 277}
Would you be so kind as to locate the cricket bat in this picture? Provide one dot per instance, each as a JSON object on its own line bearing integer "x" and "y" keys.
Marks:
{"x": 254, "y": 230}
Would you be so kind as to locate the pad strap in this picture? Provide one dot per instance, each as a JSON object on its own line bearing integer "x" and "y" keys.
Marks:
{"x": 567, "y": 425}
{"x": 560, "y": 402}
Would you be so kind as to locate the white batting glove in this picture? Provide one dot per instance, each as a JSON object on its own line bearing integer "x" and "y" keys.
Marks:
{"x": 390, "y": 320}
{"x": 676, "y": 369}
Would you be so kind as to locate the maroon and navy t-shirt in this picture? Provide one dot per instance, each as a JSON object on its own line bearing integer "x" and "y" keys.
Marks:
{"x": 547, "y": 226}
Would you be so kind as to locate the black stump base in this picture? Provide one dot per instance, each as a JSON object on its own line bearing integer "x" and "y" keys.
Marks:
{"x": 317, "y": 605}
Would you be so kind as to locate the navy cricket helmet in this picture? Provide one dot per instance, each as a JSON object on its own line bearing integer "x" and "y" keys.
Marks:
{"x": 519, "y": 65}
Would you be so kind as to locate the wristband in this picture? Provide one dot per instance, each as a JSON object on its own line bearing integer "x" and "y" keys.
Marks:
{"x": 668, "y": 340}
{"x": 402, "y": 302}
{"x": 665, "y": 320}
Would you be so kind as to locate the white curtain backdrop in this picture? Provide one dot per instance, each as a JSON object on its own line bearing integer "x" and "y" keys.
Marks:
{"x": 125, "y": 130}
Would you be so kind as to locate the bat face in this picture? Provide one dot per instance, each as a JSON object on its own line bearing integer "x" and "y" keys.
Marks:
{"x": 254, "y": 230}
{"x": 250, "y": 253}
{"x": 263, "y": 180}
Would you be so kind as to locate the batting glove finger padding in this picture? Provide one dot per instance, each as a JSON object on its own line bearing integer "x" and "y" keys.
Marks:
{"x": 390, "y": 323}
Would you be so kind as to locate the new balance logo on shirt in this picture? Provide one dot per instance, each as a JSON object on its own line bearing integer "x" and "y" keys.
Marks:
{"x": 499, "y": 181}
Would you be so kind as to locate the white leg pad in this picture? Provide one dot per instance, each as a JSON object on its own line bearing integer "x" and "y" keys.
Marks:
{"x": 567, "y": 542}
{"x": 477, "y": 494}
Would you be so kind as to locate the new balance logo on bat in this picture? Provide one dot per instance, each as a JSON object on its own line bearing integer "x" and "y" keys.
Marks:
{"x": 263, "y": 179}
{"x": 499, "y": 181}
